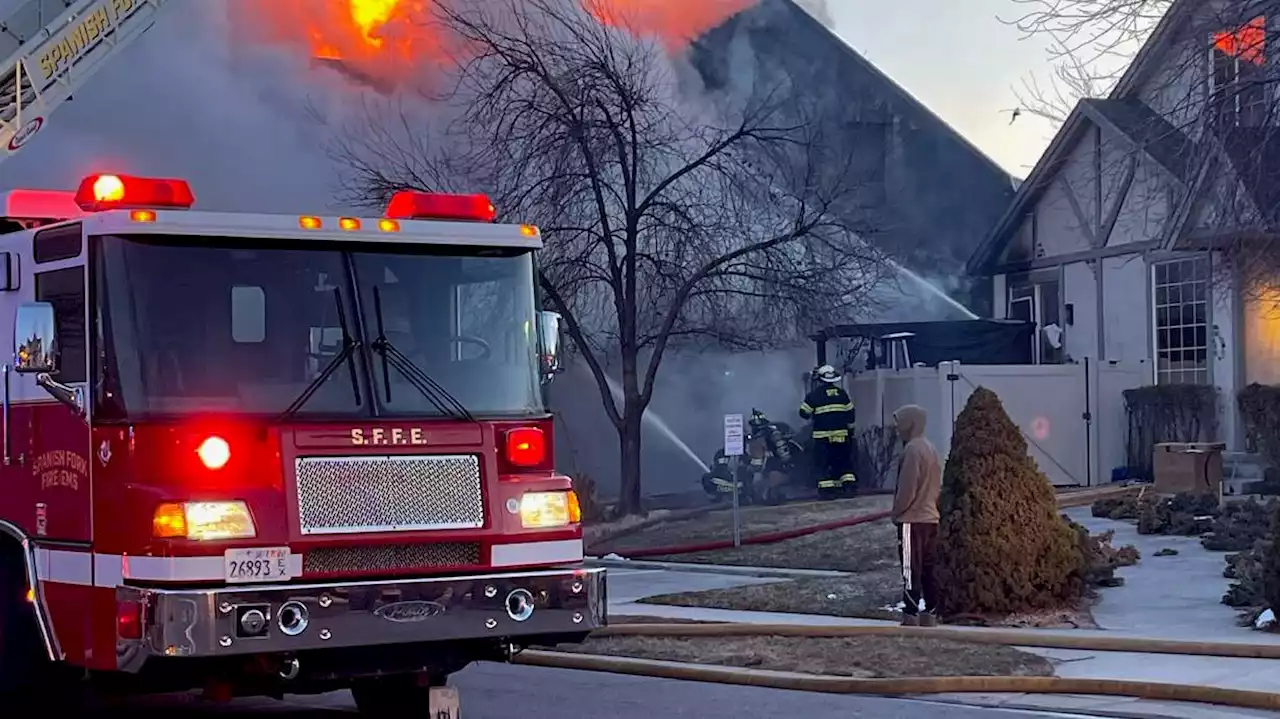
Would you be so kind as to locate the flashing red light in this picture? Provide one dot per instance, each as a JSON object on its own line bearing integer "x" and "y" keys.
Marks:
{"x": 129, "y": 619}
{"x": 214, "y": 452}
{"x": 39, "y": 205}
{"x": 413, "y": 205}
{"x": 114, "y": 192}
{"x": 526, "y": 447}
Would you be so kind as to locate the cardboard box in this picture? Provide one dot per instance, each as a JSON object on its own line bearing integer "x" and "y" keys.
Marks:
{"x": 1188, "y": 467}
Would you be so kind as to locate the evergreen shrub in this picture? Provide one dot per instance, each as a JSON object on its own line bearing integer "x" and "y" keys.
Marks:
{"x": 1002, "y": 547}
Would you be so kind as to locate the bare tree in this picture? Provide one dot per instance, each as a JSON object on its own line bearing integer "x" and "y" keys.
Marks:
{"x": 1216, "y": 103}
{"x": 667, "y": 219}
{"x": 1090, "y": 42}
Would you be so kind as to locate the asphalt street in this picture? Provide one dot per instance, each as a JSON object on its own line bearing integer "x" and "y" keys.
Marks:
{"x": 491, "y": 691}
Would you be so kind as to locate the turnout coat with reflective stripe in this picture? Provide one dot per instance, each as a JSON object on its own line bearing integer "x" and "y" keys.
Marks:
{"x": 831, "y": 410}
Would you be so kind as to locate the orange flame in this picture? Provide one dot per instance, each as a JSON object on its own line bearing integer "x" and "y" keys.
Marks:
{"x": 391, "y": 41}
{"x": 1248, "y": 43}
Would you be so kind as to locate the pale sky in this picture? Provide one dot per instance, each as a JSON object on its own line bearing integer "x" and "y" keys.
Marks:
{"x": 960, "y": 60}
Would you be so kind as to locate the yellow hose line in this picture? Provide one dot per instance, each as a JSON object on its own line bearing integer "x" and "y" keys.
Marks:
{"x": 1086, "y": 497}
{"x": 906, "y": 686}
{"x": 1040, "y": 639}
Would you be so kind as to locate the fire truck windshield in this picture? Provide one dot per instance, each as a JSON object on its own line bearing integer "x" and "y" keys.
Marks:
{"x": 200, "y": 324}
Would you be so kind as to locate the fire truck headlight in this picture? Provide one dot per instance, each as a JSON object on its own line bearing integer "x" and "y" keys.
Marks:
{"x": 543, "y": 510}
{"x": 203, "y": 521}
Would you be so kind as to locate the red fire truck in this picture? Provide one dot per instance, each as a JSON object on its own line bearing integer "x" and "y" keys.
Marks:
{"x": 264, "y": 454}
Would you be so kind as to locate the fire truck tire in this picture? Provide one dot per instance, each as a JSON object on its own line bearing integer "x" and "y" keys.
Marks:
{"x": 389, "y": 696}
{"x": 21, "y": 663}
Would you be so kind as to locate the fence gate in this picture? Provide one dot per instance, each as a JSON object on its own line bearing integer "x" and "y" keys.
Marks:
{"x": 1050, "y": 404}
{"x": 1071, "y": 415}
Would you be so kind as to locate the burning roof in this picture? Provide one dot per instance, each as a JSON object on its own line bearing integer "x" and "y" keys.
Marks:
{"x": 388, "y": 43}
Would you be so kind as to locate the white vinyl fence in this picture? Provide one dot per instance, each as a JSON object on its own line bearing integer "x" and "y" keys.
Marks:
{"x": 1072, "y": 415}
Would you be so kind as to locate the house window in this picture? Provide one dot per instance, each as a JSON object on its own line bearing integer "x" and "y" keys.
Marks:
{"x": 1181, "y": 299}
{"x": 1038, "y": 300}
{"x": 1238, "y": 82}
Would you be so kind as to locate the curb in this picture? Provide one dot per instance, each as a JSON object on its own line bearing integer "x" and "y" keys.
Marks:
{"x": 905, "y": 687}
{"x": 1132, "y": 645}
{"x": 693, "y": 568}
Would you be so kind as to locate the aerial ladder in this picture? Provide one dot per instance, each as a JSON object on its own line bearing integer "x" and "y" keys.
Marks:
{"x": 50, "y": 48}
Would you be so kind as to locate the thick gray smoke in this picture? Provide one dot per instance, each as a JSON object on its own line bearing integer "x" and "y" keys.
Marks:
{"x": 181, "y": 102}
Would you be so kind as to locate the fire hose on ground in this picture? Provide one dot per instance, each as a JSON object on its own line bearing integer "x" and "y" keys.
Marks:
{"x": 1065, "y": 501}
{"x": 909, "y": 686}
{"x": 906, "y": 686}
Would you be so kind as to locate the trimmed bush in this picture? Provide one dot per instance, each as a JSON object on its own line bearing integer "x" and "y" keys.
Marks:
{"x": 1167, "y": 413}
{"x": 877, "y": 450}
{"x": 1116, "y": 508}
{"x": 1240, "y": 525}
{"x": 1260, "y": 407}
{"x": 1002, "y": 546}
{"x": 1101, "y": 557}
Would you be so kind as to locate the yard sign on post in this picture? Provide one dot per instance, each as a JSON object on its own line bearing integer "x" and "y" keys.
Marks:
{"x": 733, "y": 448}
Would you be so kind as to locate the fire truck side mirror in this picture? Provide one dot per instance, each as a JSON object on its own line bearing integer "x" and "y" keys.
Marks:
{"x": 34, "y": 339}
{"x": 550, "y": 341}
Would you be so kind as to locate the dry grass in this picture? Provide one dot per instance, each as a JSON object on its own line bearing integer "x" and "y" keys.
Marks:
{"x": 863, "y": 596}
{"x": 862, "y": 657}
{"x": 718, "y": 525}
{"x": 861, "y": 548}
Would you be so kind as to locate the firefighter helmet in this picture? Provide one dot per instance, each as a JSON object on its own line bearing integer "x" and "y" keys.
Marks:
{"x": 827, "y": 373}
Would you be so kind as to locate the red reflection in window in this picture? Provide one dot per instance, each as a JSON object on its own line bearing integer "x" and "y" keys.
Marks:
{"x": 1248, "y": 43}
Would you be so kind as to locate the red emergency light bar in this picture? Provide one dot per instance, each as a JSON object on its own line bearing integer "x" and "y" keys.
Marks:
{"x": 48, "y": 205}
{"x": 117, "y": 192}
{"x": 414, "y": 205}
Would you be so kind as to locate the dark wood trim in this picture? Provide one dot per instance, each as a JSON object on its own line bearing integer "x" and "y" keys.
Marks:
{"x": 1122, "y": 194}
{"x": 1085, "y": 226}
{"x": 1132, "y": 248}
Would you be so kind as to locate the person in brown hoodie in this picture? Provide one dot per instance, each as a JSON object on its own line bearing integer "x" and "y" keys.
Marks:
{"x": 915, "y": 512}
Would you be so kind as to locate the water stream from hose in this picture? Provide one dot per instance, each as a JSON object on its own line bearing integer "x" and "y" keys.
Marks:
{"x": 933, "y": 289}
{"x": 656, "y": 422}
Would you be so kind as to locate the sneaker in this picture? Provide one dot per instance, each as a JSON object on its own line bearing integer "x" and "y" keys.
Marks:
{"x": 910, "y": 620}
{"x": 928, "y": 619}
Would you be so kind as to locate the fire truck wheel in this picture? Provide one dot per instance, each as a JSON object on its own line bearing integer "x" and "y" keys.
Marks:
{"x": 20, "y": 660}
{"x": 388, "y": 696}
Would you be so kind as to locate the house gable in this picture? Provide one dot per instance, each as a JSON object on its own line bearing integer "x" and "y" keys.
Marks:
{"x": 1128, "y": 160}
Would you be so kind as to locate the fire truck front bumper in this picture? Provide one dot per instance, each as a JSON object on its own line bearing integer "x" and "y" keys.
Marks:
{"x": 517, "y": 608}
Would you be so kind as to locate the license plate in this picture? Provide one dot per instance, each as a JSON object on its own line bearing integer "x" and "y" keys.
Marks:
{"x": 242, "y": 566}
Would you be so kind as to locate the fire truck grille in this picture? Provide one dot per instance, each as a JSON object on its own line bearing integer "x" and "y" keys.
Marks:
{"x": 393, "y": 557}
{"x": 345, "y": 495}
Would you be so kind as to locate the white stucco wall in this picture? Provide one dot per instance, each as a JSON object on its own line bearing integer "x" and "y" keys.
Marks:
{"x": 1080, "y": 290}
{"x": 1127, "y": 310}
{"x": 1224, "y": 342}
{"x": 1147, "y": 206}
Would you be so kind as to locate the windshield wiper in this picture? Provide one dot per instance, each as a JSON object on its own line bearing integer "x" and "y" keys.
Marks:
{"x": 421, "y": 381}
{"x": 347, "y": 354}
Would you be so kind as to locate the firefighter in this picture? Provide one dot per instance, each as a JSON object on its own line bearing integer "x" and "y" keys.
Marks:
{"x": 718, "y": 482}
{"x": 831, "y": 410}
